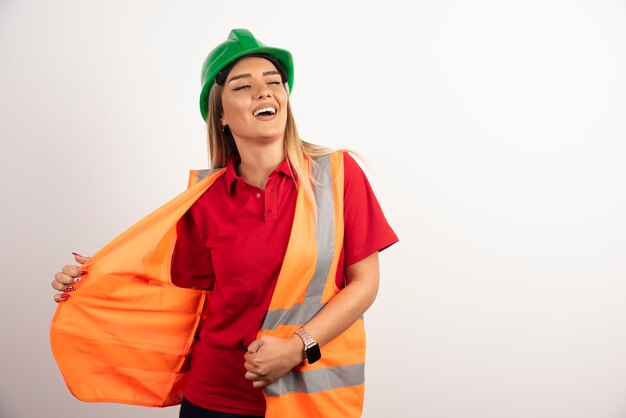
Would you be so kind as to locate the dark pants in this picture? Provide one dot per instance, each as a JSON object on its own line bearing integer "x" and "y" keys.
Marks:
{"x": 189, "y": 410}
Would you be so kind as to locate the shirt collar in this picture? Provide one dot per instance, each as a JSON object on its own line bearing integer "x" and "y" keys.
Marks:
{"x": 232, "y": 177}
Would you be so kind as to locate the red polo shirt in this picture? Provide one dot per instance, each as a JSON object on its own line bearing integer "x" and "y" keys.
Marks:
{"x": 233, "y": 241}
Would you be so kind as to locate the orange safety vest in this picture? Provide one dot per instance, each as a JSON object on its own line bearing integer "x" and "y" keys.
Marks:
{"x": 126, "y": 333}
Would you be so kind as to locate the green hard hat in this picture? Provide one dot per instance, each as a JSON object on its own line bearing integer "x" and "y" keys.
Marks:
{"x": 240, "y": 42}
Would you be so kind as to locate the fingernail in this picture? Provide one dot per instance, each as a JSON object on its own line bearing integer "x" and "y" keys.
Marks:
{"x": 76, "y": 279}
{"x": 76, "y": 254}
{"x": 65, "y": 296}
{"x": 83, "y": 272}
{"x": 70, "y": 288}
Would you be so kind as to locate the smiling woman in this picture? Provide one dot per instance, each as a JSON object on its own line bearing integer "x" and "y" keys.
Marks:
{"x": 243, "y": 296}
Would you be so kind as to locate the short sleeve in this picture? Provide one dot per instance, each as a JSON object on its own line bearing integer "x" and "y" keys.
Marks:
{"x": 192, "y": 265}
{"x": 366, "y": 228}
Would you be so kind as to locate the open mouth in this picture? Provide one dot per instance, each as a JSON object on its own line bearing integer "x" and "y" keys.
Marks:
{"x": 265, "y": 111}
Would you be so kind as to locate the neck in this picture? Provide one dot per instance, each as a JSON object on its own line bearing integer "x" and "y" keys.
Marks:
{"x": 257, "y": 162}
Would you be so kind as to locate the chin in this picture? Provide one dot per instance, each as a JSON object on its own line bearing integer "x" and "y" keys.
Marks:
{"x": 270, "y": 137}
{"x": 265, "y": 134}
{"x": 269, "y": 134}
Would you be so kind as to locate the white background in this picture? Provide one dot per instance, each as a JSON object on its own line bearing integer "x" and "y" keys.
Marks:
{"x": 494, "y": 133}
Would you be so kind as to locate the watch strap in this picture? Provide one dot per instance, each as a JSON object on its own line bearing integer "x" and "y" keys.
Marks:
{"x": 306, "y": 338}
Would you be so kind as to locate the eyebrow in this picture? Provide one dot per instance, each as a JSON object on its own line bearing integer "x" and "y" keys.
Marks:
{"x": 237, "y": 77}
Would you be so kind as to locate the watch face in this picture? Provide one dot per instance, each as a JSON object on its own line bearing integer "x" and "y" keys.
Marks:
{"x": 313, "y": 353}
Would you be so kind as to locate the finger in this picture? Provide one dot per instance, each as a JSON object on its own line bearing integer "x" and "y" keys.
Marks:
{"x": 259, "y": 384}
{"x": 62, "y": 287}
{"x": 254, "y": 346}
{"x": 253, "y": 366}
{"x": 62, "y": 279}
{"x": 250, "y": 367}
{"x": 72, "y": 270}
{"x": 79, "y": 258}
{"x": 249, "y": 357}
{"x": 61, "y": 297}
{"x": 56, "y": 285}
{"x": 254, "y": 376}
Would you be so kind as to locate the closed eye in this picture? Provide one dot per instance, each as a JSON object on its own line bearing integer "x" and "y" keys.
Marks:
{"x": 244, "y": 87}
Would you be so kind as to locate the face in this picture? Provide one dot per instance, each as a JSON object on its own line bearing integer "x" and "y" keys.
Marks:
{"x": 254, "y": 101}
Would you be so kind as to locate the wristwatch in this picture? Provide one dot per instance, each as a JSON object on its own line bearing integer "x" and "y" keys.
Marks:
{"x": 311, "y": 347}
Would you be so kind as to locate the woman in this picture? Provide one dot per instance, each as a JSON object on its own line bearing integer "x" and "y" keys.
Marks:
{"x": 287, "y": 275}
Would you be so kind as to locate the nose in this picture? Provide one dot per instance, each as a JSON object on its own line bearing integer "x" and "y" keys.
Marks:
{"x": 263, "y": 94}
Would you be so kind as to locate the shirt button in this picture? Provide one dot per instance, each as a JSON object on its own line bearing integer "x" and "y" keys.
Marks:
{"x": 258, "y": 195}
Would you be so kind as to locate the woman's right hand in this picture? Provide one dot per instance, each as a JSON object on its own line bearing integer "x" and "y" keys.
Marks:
{"x": 64, "y": 280}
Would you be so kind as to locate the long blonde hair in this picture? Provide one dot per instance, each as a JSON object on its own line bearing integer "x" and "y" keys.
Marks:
{"x": 297, "y": 151}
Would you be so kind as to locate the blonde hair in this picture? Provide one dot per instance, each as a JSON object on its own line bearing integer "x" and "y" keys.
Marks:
{"x": 297, "y": 151}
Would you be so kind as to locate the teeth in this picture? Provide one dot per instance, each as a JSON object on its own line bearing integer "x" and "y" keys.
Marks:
{"x": 265, "y": 109}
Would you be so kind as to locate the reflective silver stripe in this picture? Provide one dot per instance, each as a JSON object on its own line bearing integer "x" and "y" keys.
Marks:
{"x": 297, "y": 315}
{"x": 325, "y": 241}
{"x": 324, "y": 228}
{"x": 317, "y": 380}
{"x": 204, "y": 173}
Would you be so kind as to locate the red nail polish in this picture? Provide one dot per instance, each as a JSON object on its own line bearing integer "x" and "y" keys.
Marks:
{"x": 83, "y": 272}
{"x": 70, "y": 288}
{"x": 65, "y": 296}
{"x": 76, "y": 254}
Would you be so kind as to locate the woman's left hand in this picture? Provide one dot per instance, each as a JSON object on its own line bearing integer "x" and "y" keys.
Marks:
{"x": 270, "y": 358}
